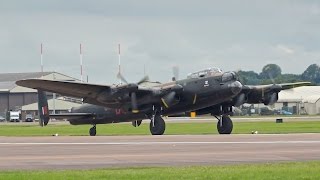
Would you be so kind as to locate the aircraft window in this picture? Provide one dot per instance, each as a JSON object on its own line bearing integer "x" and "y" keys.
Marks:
{"x": 205, "y": 73}
{"x": 202, "y": 74}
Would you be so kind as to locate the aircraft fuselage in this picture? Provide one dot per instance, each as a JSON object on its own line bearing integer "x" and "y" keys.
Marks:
{"x": 197, "y": 93}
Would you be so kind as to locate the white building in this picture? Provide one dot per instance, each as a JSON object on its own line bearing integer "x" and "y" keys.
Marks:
{"x": 302, "y": 100}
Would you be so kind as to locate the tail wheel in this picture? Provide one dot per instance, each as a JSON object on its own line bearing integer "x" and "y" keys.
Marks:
{"x": 136, "y": 123}
{"x": 158, "y": 126}
{"x": 226, "y": 126}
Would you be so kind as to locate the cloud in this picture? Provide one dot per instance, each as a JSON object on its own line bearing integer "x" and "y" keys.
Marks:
{"x": 158, "y": 35}
{"x": 284, "y": 49}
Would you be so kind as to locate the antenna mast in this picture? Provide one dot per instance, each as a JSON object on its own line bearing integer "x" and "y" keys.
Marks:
{"x": 41, "y": 58}
{"x": 119, "y": 62}
{"x": 81, "y": 62}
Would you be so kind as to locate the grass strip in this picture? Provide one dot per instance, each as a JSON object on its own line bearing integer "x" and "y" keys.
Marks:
{"x": 270, "y": 171}
{"x": 171, "y": 128}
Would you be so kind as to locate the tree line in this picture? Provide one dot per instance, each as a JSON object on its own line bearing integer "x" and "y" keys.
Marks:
{"x": 271, "y": 73}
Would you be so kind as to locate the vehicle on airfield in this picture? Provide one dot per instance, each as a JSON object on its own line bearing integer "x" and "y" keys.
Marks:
{"x": 2, "y": 119}
{"x": 14, "y": 116}
{"x": 210, "y": 91}
{"x": 29, "y": 118}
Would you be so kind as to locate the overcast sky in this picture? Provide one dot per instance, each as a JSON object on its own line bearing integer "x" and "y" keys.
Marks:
{"x": 195, "y": 35}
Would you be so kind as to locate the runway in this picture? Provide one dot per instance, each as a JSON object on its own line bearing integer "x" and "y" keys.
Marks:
{"x": 85, "y": 152}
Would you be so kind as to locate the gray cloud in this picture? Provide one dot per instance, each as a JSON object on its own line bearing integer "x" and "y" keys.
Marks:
{"x": 194, "y": 35}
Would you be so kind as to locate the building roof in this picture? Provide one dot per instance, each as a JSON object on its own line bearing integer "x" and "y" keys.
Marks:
{"x": 13, "y": 77}
{"x": 59, "y": 104}
{"x": 312, "y": 99}
{"x": 300, "y": 94}
{"x": 8, "y": 80}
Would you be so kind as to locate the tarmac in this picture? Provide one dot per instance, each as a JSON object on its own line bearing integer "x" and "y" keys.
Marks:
{"x": 85, "y": 152}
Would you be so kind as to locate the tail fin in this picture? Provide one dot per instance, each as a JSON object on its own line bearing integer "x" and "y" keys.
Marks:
{"x": 43, "y": 108}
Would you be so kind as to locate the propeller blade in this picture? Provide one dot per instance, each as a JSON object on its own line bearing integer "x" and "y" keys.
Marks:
{"x": 240, "y": 100}
{"x": 119, "y": 76}
{"x": 271, "y": 78}
{"x": 273, "y": 99}
{"x": 175, "y": 70}
{"x": 168, "y": 99}
{"x": 144, "y": 79}
{"x": 134, "y": 103}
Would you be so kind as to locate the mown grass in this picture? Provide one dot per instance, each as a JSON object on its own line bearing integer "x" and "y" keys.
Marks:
{"x": 283, "y": 171}
{"x": 171, "y": 128}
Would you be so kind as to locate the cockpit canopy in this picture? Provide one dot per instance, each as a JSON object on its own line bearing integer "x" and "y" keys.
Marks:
{"x": 225, "y": 76}
{"x": 206, "y": 73}
{"x": 229, "y": 76}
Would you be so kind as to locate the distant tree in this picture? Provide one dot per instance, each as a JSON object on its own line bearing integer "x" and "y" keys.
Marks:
{"x": 249, "y": 77}
{"x": 312, "y": 73}
{"x": 283, "y": 78}
{"x": 270, "y": 71}
{"x": 288, "y": 78}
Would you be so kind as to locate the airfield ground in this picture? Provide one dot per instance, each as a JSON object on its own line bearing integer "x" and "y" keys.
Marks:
{"x": 196, "y": 152}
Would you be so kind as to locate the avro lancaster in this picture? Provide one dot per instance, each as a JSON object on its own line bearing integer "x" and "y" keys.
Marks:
{"x": 210, "y": 91}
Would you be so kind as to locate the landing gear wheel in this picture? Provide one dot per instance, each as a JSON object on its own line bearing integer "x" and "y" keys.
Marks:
{"x": 93, "y": 131}
{"x": 226, "y": 127}
{"x": 158, "y": 127}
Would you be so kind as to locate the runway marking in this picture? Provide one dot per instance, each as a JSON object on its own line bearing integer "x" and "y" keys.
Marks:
{"x": 160, "y": 143}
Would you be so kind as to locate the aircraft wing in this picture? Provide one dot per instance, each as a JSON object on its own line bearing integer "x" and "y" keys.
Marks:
{"x": 67, "y": 88}
{"x": 294, "y": 85}
{"x": 267, "y": 94}
{"x": 104, "y": 95}
{"x": 274, "y": 87}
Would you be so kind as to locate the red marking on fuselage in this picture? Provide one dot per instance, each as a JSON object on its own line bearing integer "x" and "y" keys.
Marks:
{"x": 119, "y": 111}
{"x": 45, "y": 110}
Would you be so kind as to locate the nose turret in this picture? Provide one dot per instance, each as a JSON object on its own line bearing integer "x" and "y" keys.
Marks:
{"x": 229, "y": 76}
{"x": 236, "y": 87}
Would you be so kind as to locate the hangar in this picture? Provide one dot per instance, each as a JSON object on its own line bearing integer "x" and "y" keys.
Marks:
{"x": 13, "y": 97}
{"x": 300, "y": 100}
{"x": 56, "y": 106}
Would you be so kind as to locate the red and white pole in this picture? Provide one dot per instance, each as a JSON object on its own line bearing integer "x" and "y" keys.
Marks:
{"x": 119, "y": 63}
{"x": 81, "y": 62}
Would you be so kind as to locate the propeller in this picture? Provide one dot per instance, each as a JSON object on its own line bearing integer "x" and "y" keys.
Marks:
{"x": 134, "y": 102}
{"x": 119, "y": 76}
{"x": 133, "y": 95}
{"x": 144, "y": 79}
{"x": 271, "y": 78}
{"x": 175, "y": 71}
{"x": 272, "y": 99}
{"x": 168, "y": 99}
{"x": 240, "y": 100}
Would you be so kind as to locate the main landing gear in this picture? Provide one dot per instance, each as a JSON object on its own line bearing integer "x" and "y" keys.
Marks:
{"x": 157, "y": 125}
{"x": 93, "y": 130}
{"x": 224, "y": 124}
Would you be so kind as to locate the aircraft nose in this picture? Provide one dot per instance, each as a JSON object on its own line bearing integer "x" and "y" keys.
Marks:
{"x": 236, "y": 87}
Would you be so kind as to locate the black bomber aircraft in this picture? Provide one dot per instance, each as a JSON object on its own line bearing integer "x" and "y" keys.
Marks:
{"x": 209, "y": 91}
